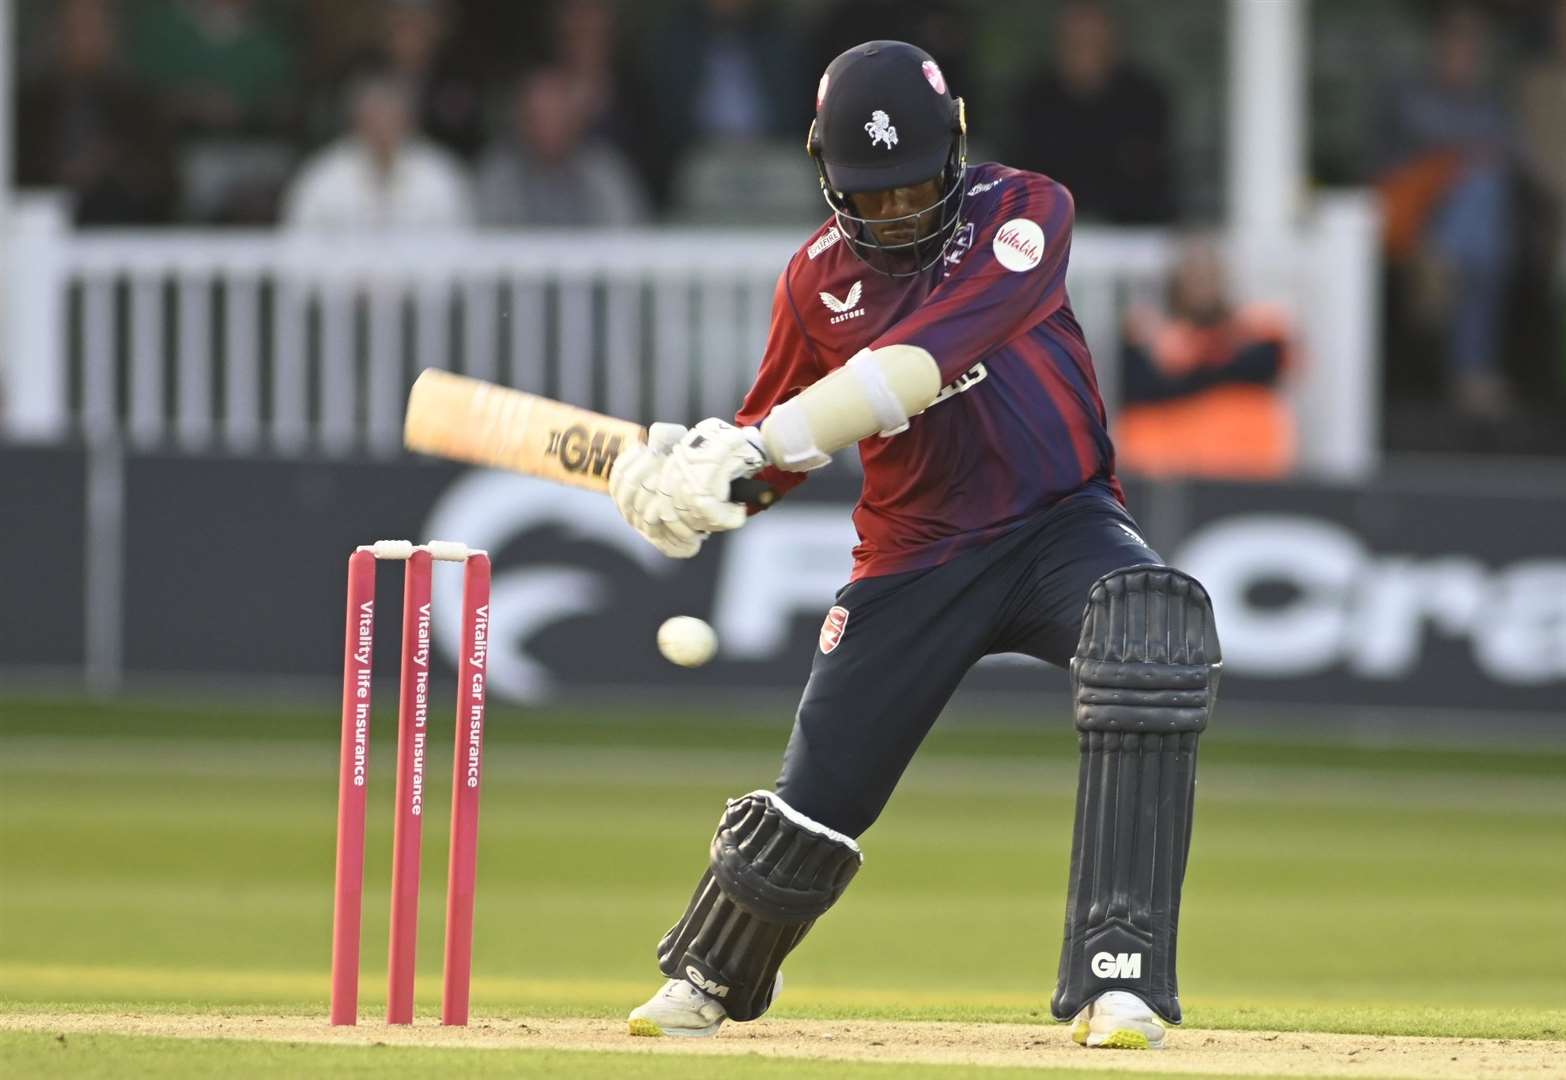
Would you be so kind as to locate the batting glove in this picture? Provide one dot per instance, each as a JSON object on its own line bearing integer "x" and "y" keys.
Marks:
{"x": 634, "y": 487}
{"x": 700, "y": 468}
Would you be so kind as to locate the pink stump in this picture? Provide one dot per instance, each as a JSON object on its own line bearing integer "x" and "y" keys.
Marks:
{"x": 462, "y": 874}
{"x": 413, "y": 708}
{"x": 353, "y": 777}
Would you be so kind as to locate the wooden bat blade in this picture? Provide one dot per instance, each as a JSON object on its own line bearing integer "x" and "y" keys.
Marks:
{"x": 465, "y": 419}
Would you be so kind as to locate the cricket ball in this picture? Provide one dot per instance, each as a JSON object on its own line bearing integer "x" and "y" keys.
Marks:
{"x": 687, "y": 641}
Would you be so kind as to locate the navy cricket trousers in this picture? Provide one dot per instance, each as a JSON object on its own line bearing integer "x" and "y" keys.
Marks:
{"x": 910, "y": 638}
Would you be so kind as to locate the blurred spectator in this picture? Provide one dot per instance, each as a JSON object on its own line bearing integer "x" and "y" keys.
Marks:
{"x": 332, "y": 35}
{"x": 223, "y": 66}
{"x": 383, "y": 174}
{"x": 85, "y": 124}
{"x": 724, "y": 69}
{"x": 1447, "y": 146}
{"x": 1200, "y": 386}
{"x": 586, "y": 48}
{"x": 412, "y": 41}
{"x": 1097, "y": 123}
{"x": 1543, "y": 115}
{"x": 547, "y": 171}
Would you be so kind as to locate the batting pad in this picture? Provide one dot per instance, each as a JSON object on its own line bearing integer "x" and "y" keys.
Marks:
{"x": 1145, "y": 679}
{"x": 773, "y": 873}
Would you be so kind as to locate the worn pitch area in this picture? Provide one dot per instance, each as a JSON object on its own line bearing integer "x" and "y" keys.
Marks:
{"x": 1198, "y": 1052}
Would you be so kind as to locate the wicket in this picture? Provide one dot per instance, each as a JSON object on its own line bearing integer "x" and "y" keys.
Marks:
{"x": 412, "y": 738}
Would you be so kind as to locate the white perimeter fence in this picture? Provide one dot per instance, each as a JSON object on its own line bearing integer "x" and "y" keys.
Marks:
{"x": 265, "y": 342}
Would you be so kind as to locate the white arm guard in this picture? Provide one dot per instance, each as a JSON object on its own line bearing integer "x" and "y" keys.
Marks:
{"x": 877, "y": 391}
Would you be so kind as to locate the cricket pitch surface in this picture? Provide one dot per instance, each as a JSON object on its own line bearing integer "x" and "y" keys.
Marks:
{"x": 1191, "y": 1051}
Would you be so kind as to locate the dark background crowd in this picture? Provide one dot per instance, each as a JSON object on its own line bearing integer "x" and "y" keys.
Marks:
{"x": 458, "y": 113}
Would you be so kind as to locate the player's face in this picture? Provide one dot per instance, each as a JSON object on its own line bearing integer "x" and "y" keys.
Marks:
{"x": 901, "y": 202}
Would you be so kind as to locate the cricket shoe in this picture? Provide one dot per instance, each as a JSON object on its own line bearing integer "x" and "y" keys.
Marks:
{"x": 678, "y": 1008}
{"x": 1118, "y": 1020}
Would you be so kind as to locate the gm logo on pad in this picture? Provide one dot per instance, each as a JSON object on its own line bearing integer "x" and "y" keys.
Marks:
{"x": 1117, "y": 965}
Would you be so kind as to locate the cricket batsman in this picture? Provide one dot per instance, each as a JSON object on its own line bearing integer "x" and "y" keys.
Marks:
{"x": 927, "y": 322}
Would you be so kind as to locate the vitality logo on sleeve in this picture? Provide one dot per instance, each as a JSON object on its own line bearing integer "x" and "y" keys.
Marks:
{"x": 1019, "y": 245}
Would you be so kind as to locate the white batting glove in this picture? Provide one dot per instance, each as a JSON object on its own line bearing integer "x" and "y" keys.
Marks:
{"x": 697, "y": 473}
{"x": 634, "y": 487}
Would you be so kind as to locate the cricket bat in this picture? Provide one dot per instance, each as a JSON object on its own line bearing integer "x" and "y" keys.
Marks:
{"x": 465, "y": 419}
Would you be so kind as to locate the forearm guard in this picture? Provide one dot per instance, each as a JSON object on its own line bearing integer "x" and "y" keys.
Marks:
{"x": 876, "y": 391}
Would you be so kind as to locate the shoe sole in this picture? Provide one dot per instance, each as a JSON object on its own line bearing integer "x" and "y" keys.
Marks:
{"x": 1115, "y": 1039}
{"x": 645, "y": 1028}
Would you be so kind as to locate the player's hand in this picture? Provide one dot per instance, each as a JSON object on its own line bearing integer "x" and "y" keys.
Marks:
{"x": 634, "y": 487}
{"x": 701, "y": 466}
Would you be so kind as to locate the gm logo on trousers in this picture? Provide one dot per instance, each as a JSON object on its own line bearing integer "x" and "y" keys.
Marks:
{"x": 1117, "y": 965}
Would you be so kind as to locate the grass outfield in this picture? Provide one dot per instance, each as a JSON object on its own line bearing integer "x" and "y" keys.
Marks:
{"x": 179, "y": 859}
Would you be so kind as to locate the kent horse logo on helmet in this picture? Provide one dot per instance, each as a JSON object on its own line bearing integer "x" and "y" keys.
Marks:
{"x": 880, "y": 130}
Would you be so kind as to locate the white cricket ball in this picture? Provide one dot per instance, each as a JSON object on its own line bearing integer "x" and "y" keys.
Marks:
{"x": 687, "y": 641}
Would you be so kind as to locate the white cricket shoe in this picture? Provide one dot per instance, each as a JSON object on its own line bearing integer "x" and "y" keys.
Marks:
{"x": 1118, "y": 1020}
{"x": 678, "y": 1008}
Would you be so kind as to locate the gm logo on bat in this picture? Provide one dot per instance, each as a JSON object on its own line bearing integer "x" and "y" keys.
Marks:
{"x": 580, "y": 450}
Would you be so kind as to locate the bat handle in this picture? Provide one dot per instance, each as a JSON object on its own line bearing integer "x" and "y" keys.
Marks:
{"x": 747, "y": 489}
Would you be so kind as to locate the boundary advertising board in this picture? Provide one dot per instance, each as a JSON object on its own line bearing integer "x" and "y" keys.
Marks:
{"x": 1393, "y": 594}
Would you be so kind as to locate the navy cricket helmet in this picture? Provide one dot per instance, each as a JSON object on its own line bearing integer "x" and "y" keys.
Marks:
{"x": 885, "y": 119}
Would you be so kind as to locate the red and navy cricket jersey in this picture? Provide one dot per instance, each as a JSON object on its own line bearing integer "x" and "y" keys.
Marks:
{"x": 1019, "y": 424}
